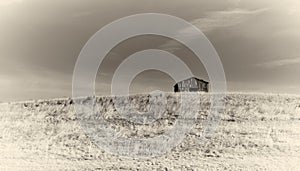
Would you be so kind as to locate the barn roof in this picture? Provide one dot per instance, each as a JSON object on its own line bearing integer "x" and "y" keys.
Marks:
{"x": 193, "y": 78}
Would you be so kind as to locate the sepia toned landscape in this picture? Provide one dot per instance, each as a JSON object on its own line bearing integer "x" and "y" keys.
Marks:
{"x": 136, "y": 85}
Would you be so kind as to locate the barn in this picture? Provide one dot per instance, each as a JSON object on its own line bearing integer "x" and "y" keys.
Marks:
{"x": 192, "y": 84}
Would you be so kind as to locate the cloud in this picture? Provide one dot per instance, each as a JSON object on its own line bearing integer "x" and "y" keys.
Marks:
{"x": 219, "y": 19}
{"x": 214, "y": 20}
{"x": 279, "y": 63}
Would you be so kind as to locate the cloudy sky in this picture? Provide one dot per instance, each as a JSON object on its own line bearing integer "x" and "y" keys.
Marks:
{"x": 258, "y": 42}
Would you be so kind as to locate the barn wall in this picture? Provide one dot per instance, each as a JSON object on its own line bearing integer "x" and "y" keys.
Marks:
{"x": 192, "y": 85}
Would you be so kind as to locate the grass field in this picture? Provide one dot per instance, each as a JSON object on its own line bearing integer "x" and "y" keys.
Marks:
{"x": 255, "y": 132}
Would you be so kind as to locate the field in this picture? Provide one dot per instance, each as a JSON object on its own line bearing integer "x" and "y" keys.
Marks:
{"x": 255, "y": 132}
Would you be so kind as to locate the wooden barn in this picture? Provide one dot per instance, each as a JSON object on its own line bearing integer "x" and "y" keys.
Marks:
{"x": 192, "y": 84}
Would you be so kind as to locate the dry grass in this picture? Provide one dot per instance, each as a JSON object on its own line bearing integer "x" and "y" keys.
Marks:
{"x": 256, "y": 132}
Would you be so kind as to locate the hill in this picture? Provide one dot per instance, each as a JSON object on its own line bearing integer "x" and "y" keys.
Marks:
{"x": 255, "y": 132}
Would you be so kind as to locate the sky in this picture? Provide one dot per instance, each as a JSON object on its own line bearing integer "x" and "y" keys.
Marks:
{"x": 258, "y": 42}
